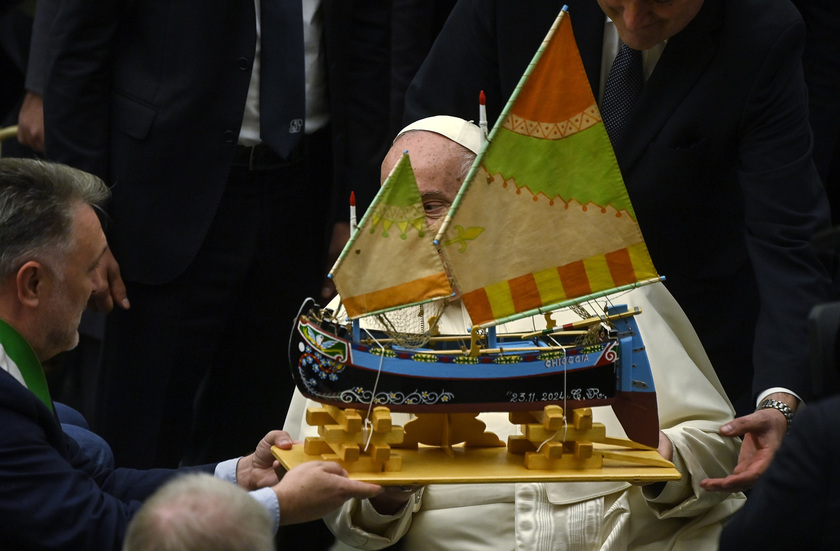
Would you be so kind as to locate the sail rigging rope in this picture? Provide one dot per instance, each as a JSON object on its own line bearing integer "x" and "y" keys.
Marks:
{"x": 368, "y": 424}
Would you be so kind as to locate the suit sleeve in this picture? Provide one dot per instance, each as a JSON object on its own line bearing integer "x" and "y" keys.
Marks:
{"x": 461, "y": 63}
{"x": 36, "y": 67}
{"x": 77, "y": 87}
{"x": 822, "y": 75}
{"x": 794, "y": 505}
{"x": 785, "y": 206}
{"x": 54, "y": 500}
{"x": 358, "y": 53}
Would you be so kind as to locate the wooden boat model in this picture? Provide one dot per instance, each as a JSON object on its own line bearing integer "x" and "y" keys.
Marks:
{"x": 521, "y": 240}
{"x": 518, "y": 372}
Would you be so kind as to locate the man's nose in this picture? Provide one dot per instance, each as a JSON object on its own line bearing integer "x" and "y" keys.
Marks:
{"x": 96, "y": 282}
{"x": 636, "y": 15}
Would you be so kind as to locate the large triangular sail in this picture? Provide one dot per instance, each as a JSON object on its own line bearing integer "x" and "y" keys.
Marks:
{"x": 544, "y": 217}
{"x": 391, "y": 261}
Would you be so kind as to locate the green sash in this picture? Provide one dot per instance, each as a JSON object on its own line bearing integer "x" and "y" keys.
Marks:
{"x": 24, "y": 357}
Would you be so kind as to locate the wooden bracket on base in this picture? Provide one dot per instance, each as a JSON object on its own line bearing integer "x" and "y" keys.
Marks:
{"x": 345, "y": 438}
{"x": 448, "y": 429}
{"x": 549, "y": 441}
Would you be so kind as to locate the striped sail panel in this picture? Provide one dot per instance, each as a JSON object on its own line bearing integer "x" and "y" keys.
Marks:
{"x": 544, "y": 216}
{"x": 391, "y": 260}
{"x": 555, "y": 285}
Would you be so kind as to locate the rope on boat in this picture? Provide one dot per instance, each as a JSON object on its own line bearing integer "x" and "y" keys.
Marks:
{"x": 368, "y": 425}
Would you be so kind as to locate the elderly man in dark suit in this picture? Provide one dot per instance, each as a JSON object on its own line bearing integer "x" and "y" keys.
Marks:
{"x": 52, "y": 496}
{"x": 715, "y": 149}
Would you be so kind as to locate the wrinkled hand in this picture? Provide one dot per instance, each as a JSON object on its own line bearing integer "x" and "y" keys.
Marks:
{"x": 261, "y": 469}
{"x": 666, "y": 448}
{"x": 111, "y": 289}
{"x": 313, "y": 489}
{"x": 31, "y": 122}
{"x": 393, "y": 498}
{"x": 762, "y": 432}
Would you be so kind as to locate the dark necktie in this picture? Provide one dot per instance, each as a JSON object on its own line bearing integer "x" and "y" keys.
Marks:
{"x": 624, "y": 84}
{"x": 282, "y": 85}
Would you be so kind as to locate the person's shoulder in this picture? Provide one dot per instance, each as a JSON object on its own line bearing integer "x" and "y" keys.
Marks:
{"x": 764, "y": 14}
{"x": 14, "y": 393}
{"x": 22, "y": 415}
{"x": 753, "y": 28}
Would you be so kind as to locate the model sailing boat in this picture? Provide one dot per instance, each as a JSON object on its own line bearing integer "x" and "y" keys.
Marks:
{"x": 543, "y": 221}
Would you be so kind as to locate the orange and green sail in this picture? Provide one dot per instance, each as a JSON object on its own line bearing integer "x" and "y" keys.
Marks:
{"x": 544, "y": 217}
{"x": 391, "y": 260}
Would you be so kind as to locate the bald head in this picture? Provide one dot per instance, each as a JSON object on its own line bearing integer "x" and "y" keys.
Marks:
{"x": 199, "y": 512}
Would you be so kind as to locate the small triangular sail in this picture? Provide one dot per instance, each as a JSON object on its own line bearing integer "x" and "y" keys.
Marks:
{"x": 544, "y": 217}
{"x": 391, "y": 261}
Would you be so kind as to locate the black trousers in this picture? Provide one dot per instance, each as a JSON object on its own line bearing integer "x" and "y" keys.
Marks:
{"x": 197, "y": 370}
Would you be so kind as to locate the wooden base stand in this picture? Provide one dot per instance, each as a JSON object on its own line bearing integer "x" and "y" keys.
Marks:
{"x": 345, "y": 437}
{"x": 456, "y": 447}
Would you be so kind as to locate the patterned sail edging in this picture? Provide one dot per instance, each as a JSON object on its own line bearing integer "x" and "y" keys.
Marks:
{"x": 555, "y": 285}
{"x": 554, "y": 130}
{"x": 387, "y": 216}
{"x": 552, "y": 200}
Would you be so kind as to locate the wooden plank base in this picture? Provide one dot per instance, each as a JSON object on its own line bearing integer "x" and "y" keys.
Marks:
{"x": 458, "y": 465}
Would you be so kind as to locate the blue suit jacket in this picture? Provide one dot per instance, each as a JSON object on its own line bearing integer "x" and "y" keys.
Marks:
{"x": 716, "y": 157}
{"x": 50, "y": 497}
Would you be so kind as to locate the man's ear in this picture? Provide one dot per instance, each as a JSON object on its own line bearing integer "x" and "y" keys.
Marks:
{"x": 30, "y": 283}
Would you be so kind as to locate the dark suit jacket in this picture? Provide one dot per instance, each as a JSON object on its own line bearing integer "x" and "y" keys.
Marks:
{"x": 154, "y": 107}
{"x": 796, "y": 503}
{"x": 15, "y": 31}
{"x": 716, "y": 157}
{"x": 50, "y": 497}
{"x": 822, "y": 74}
{"x": 41, "y": 27}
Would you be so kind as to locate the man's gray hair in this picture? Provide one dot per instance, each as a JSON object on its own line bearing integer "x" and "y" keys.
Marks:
{"x": 467, "y": 158}
{"x": 37, "y": 199}
{"x": 197, "y": 512}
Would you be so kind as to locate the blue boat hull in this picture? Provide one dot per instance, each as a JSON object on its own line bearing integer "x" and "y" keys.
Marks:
{"x": 333, "y": 369}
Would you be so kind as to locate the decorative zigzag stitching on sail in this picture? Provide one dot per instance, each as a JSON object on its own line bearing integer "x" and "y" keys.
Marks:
{"x": 588, "y": 118}
{"x": 403, "y": 217}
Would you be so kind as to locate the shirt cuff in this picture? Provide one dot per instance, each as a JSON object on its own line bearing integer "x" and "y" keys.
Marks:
{"x": 226, "y": 470}
{"x": 770, "y": 391}
{"x": 268, "y": 499}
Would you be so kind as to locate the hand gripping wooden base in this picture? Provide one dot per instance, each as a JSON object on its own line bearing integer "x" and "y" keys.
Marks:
{"x": 456, "y": 448}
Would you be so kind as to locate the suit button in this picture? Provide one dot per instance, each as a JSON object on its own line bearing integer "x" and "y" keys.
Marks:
{"x": 230, "y": 136}
{"x": 243, "y": 63}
